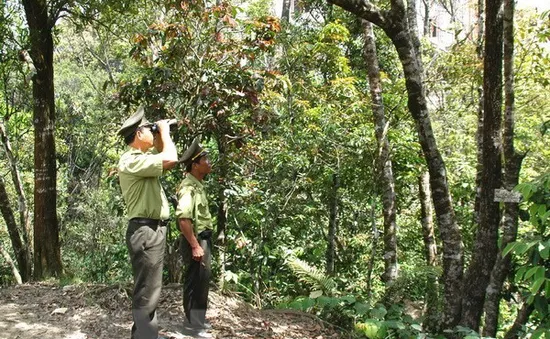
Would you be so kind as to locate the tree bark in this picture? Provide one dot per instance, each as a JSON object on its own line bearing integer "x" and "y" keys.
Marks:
{"x": 479, "y": 130}
{"x": 375, "y": 236}
{"x": 521, "y": 319}
{"x": 431, "y": 321}
{"x": 395, "y": 24}
{"x": 222, "y": 209}
{"x": 384, "y": 162}
{"x": 13, "y": 231}
{"x": 47, "y": 254}
{"x": 333, "y": 224}
{"x": 485, "y": 246}
{"x": 428, "y": 234}
{"x": 10, "y": 262}
{"x": 285, "y": 14}
{"x": 512, "y": 166}
{"x": 24, "y": 262}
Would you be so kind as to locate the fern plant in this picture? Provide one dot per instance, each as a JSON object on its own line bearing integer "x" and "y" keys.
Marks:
{"x": 312, "y": 276}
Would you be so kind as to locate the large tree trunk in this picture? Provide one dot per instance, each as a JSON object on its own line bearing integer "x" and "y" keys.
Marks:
{"x": 512, "y": 166}
{"x": 384, "y": 163}
{"x": 23, "y": 253}
{"x": 431, "y": 321}
{"x": 485, "y": 247}
{"x": 47, "y": 257}
{"x": 333, "y": 225}
{"x": 395, "y": 24}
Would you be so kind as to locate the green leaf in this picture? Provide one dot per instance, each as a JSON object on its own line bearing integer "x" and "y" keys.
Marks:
{"x": 361, "y": 308}
{"x": 307, "y": 303}
{"x": 416, "y": 327}
{"x": 378, "y": 313}
{"x": 541, "y": 210}
{"x": 394, "y": 324}
{"x": 539, "y": 274}
{"x": 544, "y": 250}
{"x": 541, "y": 305}
{"x": 531, "y": 272}
{"x": 519, "y": 274}
{"x": 538, "y": 333}
{"x": 509, "y": 248}
{"x": 348, "y": 299}
{"x": 536, "y": 285}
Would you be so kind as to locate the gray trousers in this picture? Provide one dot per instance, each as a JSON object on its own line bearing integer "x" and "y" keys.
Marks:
{"x": 146, "y": 247}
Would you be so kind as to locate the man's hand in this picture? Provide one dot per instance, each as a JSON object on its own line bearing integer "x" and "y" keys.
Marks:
{"x": 163, "y": 126}
{"x": 197, "y": 252}
{"x": 164, "y": 145}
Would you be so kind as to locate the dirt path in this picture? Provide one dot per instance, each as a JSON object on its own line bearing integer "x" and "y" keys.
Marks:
{"x": 95, "y": 312}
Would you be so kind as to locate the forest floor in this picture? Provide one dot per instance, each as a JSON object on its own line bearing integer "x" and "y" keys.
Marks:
{"x": 98, "y": 311}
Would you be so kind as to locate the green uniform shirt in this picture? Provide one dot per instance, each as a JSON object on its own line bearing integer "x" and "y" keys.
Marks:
{"x": 193, "y": 204}
{"x": 139, "y": 180}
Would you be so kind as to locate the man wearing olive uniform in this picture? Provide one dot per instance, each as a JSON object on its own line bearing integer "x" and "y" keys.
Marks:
{"x": 195, "y": 223}
{"x": 139, "y": 170}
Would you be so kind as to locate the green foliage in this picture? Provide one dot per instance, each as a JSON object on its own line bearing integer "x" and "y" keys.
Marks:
{"x": 94, "y": 248}
{"x": 312, "y": 276}
{"x": 532, "y": 251}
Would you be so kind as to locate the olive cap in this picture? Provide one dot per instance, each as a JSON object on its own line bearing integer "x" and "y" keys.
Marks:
{"x": 192, "y": 152}
{"x": 134, "y": 122}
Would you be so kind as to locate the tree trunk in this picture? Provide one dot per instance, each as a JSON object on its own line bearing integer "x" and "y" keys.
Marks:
{"x": 450, "y": 233}
{"x": 395, "y": 24}
{"x": 375, "y": 236}
{"x": 431, "y": 321}
{"x": 333, "y": 224}
{"x": 427, "y": 20}
{"x": 485, "y": 246}
{"x": 222, "y": 209}
{"x": 13, "y": 267}
{"x": 512, "y": 166}
{"x": 24, "y": 262}
{"x": 521, "y": 319}
{"x": 47, "y": 256}
{"x": 479, "y": 130}
{"x": 13, "y": 231}
{"x": 384, "y": 163}
{"x": 285, "y": 14}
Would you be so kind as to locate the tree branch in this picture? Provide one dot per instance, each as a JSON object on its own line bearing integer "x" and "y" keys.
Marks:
{"x": 365, "y": 10}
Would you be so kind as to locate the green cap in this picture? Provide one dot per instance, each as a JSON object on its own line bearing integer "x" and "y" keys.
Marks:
{"x": 192, "y": 152}
{"x": 132, "y": 123}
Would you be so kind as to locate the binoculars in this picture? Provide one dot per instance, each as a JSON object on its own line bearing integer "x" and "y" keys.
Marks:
{"x": 173, "y": 123}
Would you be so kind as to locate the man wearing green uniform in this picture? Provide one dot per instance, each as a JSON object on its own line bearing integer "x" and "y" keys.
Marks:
{"x": 195, "y": 224}
{"x": 139, "y": 170}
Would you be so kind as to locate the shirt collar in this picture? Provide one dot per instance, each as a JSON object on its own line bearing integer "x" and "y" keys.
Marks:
{"x": 194, "y": 180}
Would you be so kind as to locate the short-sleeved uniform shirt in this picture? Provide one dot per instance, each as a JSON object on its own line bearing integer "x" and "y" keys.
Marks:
{"x": 193, "y": 204}
{"x": 139, "y": 174}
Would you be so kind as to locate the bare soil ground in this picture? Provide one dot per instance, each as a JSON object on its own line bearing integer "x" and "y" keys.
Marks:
{"x": 97, "y": 311}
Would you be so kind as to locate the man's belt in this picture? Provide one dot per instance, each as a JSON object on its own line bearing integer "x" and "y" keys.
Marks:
{"x": 149, "y": 222}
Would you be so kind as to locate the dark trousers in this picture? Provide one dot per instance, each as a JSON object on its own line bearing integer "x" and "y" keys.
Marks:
{"x": 146, "y": 247}
{"x": 197, "y": 279}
